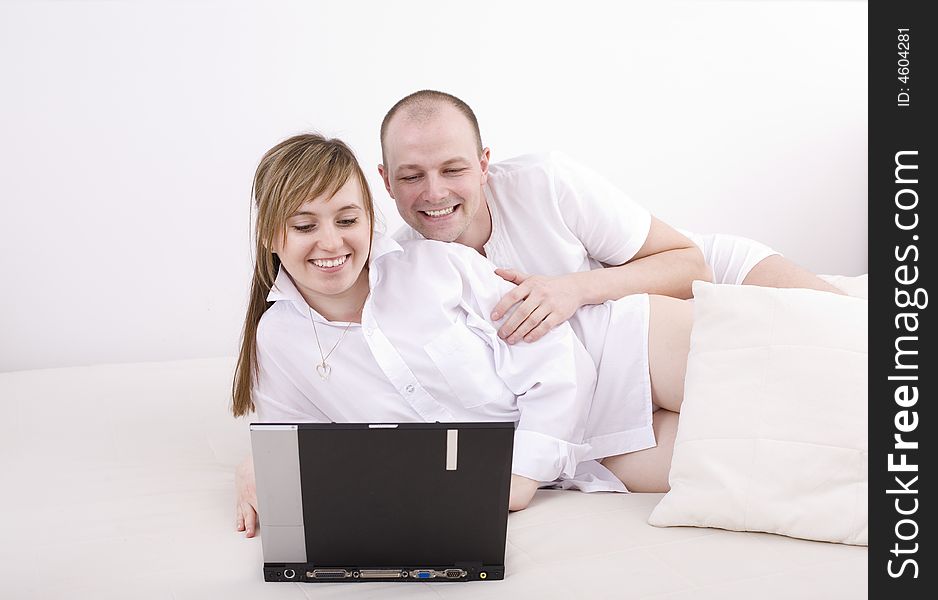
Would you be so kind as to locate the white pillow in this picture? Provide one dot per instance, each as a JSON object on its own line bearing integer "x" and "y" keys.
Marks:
{"x": 773, "y": 429}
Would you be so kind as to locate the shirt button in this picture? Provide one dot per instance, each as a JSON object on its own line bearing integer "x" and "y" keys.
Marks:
{"x": 409, "y": 389}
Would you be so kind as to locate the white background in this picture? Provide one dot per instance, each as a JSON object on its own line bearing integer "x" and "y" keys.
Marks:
{"x": 129, "y": 133}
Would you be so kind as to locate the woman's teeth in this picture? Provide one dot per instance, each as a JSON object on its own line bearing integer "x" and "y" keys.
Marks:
{"x": 330, "y": 262}
{"x": 440, "y": 213}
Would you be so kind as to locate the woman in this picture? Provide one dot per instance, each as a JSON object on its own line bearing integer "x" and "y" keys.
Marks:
{"x": 344, "y": 325}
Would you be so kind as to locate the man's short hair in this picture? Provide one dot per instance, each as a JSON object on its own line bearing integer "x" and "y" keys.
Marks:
{"x": 423, "y": 105}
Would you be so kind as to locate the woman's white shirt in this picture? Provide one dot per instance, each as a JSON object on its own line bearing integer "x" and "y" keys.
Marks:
{"x": 427, "y": 351}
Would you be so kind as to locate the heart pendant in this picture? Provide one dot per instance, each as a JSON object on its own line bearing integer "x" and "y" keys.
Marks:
{"x": 324, "y": 370}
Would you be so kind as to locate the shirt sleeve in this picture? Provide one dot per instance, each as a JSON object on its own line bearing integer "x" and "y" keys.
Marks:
{"x": 610, "y": 225}
{"x": 277, "y": 399}
{"x": 552, "y": 379}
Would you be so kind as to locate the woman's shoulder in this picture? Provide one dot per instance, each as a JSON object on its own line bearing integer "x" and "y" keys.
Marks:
{"x": 280, "y": 318}
{"x": 435, "y": 256}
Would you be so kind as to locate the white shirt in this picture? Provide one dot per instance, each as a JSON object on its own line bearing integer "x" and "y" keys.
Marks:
{"x": 426, "y": 351}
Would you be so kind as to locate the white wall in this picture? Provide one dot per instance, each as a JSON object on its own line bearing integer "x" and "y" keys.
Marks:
{"x": 130, "y": 131}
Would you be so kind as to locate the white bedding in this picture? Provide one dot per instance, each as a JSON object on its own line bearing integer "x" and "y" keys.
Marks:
{"x": 118, "y": 484}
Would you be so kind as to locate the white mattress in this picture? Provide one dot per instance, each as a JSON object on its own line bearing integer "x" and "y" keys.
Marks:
{"x": 118, "y": 479}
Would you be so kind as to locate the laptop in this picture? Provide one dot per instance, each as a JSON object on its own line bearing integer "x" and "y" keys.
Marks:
{"x": 356, "y": 502}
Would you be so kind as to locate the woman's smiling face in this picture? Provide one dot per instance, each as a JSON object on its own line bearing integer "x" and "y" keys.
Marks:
{"x": 326, "y": 246}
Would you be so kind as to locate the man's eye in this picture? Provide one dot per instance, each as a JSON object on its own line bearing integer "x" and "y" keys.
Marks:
{"x": 410, "y": 178}
{"x": 454, "y": 171}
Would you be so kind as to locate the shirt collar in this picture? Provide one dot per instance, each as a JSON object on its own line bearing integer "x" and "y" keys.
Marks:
{"x": 494, "y": 216}
{"x": 285, "y": 289}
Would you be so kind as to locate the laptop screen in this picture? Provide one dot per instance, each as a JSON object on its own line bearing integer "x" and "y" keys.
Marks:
{"x": 401, "y": 494}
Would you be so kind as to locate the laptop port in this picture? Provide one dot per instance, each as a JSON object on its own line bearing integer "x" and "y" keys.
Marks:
{"x": 433, "y": 573}
{"x": 289, "y": 573}
{"x": 328, "y": 574}
{"x": 378, "y": 573}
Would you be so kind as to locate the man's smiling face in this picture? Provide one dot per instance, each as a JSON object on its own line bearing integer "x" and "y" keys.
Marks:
{"x": 434, "y": 172}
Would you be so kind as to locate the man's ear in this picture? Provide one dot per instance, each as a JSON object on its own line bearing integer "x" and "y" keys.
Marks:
{"x": 385, "y": 176}
{"x": 484, "y": 164}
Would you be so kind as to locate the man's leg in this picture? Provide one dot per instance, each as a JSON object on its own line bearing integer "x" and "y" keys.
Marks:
{"x": 739, "y": 260}
{"x": 779, "y": 272}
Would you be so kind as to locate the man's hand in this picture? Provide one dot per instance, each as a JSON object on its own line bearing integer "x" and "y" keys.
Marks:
{"x": 246, "y": 498}
{"x": 546, "y": 302}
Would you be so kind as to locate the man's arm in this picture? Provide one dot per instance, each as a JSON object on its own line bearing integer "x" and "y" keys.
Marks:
{"x": 667, "y": 263}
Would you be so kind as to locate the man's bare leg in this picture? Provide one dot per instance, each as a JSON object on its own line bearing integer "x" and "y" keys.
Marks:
{"x": 779, "y": 272}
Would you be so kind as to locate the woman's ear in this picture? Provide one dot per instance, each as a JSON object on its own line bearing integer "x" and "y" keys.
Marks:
{"x": 271, "y": 245}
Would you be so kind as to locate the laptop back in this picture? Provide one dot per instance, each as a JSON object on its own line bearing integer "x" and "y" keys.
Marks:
{"x": 395, "y": 502}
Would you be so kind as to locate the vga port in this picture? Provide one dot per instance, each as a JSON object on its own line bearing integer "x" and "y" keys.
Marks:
{"x": 433, "y": 573}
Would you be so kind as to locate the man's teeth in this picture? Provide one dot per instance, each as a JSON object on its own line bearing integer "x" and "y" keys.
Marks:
{"x": 330, "y": 262}
{"x": 441, "y": 212}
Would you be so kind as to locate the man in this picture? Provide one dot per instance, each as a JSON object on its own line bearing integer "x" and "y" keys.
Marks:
{"x": 564, "y": 234}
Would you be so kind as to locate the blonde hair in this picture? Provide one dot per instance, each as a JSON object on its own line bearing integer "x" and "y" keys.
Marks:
{"x": 296, "y": 170}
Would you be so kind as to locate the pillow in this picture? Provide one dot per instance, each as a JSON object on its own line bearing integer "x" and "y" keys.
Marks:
{"x": 773, "y": 429}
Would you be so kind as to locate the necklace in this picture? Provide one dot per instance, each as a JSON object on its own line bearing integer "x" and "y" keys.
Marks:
{"x": 323, "y": 368}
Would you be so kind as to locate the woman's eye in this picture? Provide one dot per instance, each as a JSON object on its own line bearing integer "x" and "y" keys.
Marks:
{"x": 303, "y": 228}
{"x": 348, "y": 222}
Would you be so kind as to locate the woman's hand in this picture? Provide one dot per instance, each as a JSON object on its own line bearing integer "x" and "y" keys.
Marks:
{"x": 246, "y": 498}
{"x": 522, "y": 490}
